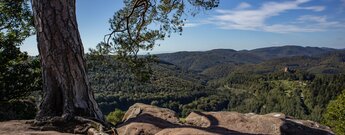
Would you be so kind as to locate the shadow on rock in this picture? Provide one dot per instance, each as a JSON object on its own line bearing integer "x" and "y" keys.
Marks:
{"x": 151, "y": 120}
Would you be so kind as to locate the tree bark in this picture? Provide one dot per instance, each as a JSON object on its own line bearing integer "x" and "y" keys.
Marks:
{"x": 65, "y": 83}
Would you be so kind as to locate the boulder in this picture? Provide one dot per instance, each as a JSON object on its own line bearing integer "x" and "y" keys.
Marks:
{"x": 151, "y": 120}
{"x": 140, "y": 109}
{"x": 274, "y": 123}
{"x": 147, "y": 119}
{"x": 137, "y": 128}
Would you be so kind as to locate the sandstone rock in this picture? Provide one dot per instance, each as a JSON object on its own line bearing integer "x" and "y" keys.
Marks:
{"x": 21, "y": 127}
{"x": 193, "y": 130}
{"x": 186, "y": 131}
{"x": 137, "y": 128}
{"x": 147, "y": 119}
{"x": 274, "y": 123}
{"x": 150, "y": 120}
{"x": 140, "y": 109}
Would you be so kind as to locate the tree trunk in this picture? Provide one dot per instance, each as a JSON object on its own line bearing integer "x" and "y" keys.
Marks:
{"x": 65, "y": 83}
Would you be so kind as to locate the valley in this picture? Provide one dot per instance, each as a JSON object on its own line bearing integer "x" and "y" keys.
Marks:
{"x": 229, "y": 80}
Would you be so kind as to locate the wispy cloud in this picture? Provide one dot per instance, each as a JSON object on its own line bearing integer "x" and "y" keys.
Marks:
{"x": 287, "y": 28}
{"x": 243, "y": 18}
{"x": 320, "y": 22}
{"x": 189, "y": 24}
{"x": 243, "y": 5}
{"x": 312, "y": 18}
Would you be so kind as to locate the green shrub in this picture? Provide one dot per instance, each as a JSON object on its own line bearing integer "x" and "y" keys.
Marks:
{"x": 17, "y": 109}
{"x": 183, "y": 120}
{"x": 115, "y": 116}
{"x": 335, "y": 114}
{"x": 19, "y": 74}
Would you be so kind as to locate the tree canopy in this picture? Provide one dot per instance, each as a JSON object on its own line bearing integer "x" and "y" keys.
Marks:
{"x": 18, "y": 74}
{"x": 335, "y": 114}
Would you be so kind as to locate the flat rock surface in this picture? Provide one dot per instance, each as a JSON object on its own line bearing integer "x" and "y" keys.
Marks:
{"x": 273, "y": 123}
{"x": 151, "y": 120}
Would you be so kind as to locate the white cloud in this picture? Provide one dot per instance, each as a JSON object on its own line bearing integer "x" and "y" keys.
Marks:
{"x": 312, "y": 18}
{"x": 306, "y": 23}
{"x": 314, "y": 8}
{"x": 256, "y": 19}
{"x": 280, "y": 28}
{"x": 319, "y": 21}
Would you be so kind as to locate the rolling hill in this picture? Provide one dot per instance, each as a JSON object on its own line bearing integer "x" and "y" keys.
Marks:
{"x": 218, "y": 63}
{"x": 289, "y": 51}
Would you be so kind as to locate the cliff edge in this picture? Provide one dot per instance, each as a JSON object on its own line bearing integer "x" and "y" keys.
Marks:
{"x": 147, "y": 119}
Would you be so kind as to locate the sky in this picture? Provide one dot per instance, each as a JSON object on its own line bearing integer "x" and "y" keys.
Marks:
{"x": 235, "y": 24}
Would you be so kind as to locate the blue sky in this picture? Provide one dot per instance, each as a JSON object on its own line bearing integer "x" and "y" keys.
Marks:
{"x": 235, "y": 24}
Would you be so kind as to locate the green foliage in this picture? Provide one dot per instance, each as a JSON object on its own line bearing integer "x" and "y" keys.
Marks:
{"x": 19, "y": 74}
{"x": 137, "y": 67}
{"x": 183, "y": 120}
{"x": 116, "y": 88}
{"x": 19, "y": 77}
{"x": 115, "y": 116}
{"x": 335, "y": 114}
{"x": 15, "y": 20}
{"x": 293, "y": 94}
{"x": 17, "y": 109}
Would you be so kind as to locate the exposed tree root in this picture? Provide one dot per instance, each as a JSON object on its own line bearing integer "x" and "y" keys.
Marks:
{"x": 76, "y": 125}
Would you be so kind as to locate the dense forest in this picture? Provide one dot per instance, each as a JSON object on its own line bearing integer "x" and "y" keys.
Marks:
{"x": 300, "y": 85}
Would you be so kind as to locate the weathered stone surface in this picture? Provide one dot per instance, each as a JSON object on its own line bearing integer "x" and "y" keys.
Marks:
{"x": 147, "y": 119}
{"x": 21, "y": 127}
{"x": 137, "y": 128}
{"x": 140, "y": 109}
{"x": 186, "y": 131}
{"x": 274, "y": 123}
{"x": 193, "y": 130}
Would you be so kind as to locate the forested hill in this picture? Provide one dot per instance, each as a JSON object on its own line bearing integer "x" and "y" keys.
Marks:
{"x": 227, "y": 80}
{"x": 200, "y": 61}
{"x": 328, "y": 63}
{"x": 289, "y": 51}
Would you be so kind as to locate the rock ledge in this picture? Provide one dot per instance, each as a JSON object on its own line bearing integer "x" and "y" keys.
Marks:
{"x": 151, "y": 120}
